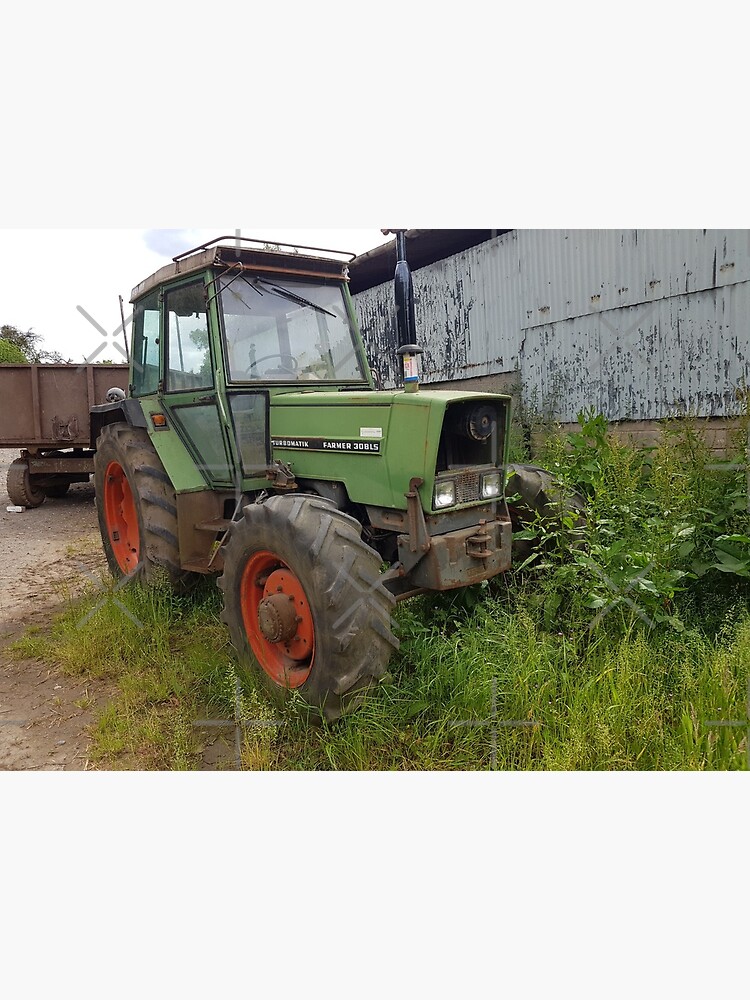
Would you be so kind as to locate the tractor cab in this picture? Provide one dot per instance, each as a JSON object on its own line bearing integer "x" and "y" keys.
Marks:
{"x": 223, "y": 328}
{"x": 256, "y": 316}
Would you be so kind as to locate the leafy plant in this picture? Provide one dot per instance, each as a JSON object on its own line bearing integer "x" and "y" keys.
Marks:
{"x": 658, "y": 521}
{"x": 732, "y": 554}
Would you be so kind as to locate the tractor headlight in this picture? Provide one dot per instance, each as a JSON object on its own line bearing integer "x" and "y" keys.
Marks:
{"x": 445, "y": 494}
{"x": 491, "y": 486}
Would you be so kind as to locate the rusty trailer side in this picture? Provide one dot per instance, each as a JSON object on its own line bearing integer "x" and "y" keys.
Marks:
{"x": 47, "y": 406}
{"x": 44, "y": 411}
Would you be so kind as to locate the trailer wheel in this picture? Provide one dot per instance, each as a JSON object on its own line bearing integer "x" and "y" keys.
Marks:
{"x": 304, "y": 606}
{"x": 137, "y": 510}
{"x": 21, "y": 490}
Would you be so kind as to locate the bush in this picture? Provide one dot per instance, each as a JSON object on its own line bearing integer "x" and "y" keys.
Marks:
{"x": 663, "y": 523}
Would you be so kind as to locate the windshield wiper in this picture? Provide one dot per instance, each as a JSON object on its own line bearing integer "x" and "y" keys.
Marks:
{"x": 236, "y": 294}
{"x": 293, "y": 297}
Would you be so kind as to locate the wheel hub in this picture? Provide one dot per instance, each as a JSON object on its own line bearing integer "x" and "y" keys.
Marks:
{"x": 278, "y": 618}
{"x": 121, "y": 518}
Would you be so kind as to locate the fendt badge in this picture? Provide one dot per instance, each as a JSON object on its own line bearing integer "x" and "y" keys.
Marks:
{"x": 327, "y": 444}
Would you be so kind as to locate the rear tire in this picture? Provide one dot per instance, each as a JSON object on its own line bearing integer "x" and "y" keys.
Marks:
{"x": 21, "y": 490}
{"x": 137, "y": 510}
{"x": 338, "y": 640}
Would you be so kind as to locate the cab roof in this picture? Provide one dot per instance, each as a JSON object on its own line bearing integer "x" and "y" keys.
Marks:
{"x": 291, "y": 262}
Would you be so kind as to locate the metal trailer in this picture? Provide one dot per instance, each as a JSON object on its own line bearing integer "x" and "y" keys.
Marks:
{"x": 44, "y": 411}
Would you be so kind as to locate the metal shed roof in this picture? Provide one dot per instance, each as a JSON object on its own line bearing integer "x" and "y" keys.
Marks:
{"x": 423, "y": 246}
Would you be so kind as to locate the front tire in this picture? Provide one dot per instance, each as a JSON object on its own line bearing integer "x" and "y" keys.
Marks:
{"x": 304, "y": 606}
{"x": 541, "y": 498}
{"x": 137, "y": 510}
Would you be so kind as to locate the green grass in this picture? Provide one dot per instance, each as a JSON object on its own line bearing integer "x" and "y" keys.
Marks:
{"x": 623, "y": 697}
{"x": 168, "y": 662}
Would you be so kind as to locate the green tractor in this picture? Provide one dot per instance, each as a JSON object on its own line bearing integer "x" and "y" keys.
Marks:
{"x": 253, "y": 445}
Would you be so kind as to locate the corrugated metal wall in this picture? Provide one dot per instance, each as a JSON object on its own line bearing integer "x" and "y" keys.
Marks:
{"x": 469, "y": 303}
{"x": 639, "y": 324}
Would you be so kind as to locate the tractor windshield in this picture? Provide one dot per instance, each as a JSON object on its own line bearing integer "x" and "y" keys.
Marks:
{"x": 288, "y": 331}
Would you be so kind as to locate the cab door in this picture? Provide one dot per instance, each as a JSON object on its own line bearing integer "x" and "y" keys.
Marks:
{"x": 191, "y": 397}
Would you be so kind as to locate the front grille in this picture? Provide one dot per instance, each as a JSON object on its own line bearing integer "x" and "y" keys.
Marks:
{"x": 467, "y": 487}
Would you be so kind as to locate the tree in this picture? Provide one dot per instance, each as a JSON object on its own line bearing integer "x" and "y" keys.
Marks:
{"x": 25, "y": 342}
{"x": 11, "y": 354}
{"x": 28, "y": 343}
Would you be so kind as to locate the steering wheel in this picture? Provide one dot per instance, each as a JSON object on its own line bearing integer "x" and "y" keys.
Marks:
{"x": 293, "y": 368}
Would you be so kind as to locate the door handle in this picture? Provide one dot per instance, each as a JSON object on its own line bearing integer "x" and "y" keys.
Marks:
{"x": 206, "y": 399}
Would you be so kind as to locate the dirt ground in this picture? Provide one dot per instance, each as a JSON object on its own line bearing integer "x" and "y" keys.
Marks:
{"x": 46, "y": 554}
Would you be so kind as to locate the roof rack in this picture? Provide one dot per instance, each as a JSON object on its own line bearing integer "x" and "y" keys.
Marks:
{"x": 262, "y": 244}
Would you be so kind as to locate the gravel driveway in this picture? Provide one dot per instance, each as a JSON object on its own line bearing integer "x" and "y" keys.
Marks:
{"x": 46, "y": 554}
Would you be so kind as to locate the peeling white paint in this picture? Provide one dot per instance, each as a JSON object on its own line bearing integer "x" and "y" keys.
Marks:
{"x": 639, "y": 324}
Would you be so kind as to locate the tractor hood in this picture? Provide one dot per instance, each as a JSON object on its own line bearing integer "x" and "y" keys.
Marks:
{"x": 375, "y": 443}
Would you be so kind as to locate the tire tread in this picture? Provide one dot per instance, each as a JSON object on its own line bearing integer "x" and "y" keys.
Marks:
{"x": 354, "y": 640}
{"x": 156, "y": 500}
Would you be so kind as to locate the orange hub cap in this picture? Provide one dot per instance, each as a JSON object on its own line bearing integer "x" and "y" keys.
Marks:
{"x": 121, "y": 518}
{"x": 278, "y": 620}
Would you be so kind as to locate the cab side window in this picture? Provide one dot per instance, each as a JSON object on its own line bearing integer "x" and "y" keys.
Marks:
{"x": 188, "y": 353}
{"x": 146, "y": 346}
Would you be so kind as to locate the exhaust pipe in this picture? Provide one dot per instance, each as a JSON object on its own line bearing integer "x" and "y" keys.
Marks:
{"x": 408, "y": 349}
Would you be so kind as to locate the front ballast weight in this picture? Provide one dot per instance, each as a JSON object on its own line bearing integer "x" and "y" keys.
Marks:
{"x": 459, "y": 557}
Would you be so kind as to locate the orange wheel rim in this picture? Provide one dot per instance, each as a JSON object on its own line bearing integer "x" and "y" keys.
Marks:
{"x": 121, "y": 518}
{"x": 278, "y": 620}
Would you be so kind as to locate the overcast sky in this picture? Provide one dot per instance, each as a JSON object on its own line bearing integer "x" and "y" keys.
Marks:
{"x": 48, "y": 273}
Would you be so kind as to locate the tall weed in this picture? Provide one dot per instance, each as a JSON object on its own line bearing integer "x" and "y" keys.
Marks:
{"x": 662, "y": 523}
